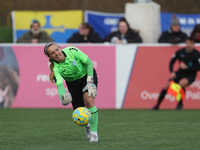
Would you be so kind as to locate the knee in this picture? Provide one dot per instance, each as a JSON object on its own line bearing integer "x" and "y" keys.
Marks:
{"x": 183, "y": 83}
{"x": 89, "y": 102}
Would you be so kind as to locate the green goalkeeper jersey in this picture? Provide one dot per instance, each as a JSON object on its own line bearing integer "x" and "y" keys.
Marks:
{"x": 74, "y": 67}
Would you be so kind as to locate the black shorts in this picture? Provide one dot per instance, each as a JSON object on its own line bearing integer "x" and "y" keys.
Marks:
{"x": 180, "y": 75}
{"x": 76, "y": 87}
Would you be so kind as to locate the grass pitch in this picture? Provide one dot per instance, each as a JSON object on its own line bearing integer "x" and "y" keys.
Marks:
{"x": 53, "y": 129}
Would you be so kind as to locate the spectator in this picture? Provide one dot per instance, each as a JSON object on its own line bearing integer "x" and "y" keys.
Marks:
{"x": 124, "y": 34}
{"x": 86, "y": 34}
{"x": 35, "y": 35}
{"x": 174, "y": 35}
{"x": 196, "y": 33}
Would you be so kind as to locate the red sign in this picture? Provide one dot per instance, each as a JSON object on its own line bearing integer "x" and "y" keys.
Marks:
{"x": 149, "y": 75}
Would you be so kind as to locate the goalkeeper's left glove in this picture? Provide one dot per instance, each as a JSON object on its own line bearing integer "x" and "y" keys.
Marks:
{"x": 91, "y": 87}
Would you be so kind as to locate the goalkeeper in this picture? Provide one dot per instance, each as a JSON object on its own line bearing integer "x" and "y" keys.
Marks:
{"x": 77, "y": 70}
{"x": 189, "y": 64}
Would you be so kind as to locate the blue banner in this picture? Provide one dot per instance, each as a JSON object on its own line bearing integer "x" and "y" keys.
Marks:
{"x": 103, "y": 23}
{"x": 187, "y": 21}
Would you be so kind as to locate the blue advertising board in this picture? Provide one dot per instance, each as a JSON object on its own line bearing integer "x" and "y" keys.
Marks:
{"x": 187, "y": 21}
{"x": 103, "y": 23}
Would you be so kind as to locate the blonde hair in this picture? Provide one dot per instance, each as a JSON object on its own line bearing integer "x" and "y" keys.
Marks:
{"x": 51, "y": 75}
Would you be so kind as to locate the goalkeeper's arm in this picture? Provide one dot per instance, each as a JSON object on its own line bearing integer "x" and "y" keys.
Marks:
{"x": 89, "y": 65}
{"x": 91, "y": 87}
{"x": 65, "y": 97}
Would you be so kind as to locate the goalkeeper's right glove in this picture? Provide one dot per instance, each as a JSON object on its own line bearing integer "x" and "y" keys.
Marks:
{"x": 66, "y": 98}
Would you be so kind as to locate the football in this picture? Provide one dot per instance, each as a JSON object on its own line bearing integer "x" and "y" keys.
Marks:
{"x": 81, "y": 116}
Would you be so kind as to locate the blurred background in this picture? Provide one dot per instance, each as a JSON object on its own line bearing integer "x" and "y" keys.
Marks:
{"x": 111, "y": 6}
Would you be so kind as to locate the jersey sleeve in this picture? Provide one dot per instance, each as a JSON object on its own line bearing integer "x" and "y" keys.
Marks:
{"x": 57, "y": 77}
{"x": 173, "y": 60}
{"x": 61, "y": 90}
{"x": 89, "y": 65}
{"x": 59, "y": 83}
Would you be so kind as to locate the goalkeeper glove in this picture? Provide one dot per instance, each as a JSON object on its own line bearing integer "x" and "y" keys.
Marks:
{"x": 91, "y": 87}
{"x": 66, "y": 98}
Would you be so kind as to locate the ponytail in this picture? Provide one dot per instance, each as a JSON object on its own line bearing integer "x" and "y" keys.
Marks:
{"x": 51, "y": 76}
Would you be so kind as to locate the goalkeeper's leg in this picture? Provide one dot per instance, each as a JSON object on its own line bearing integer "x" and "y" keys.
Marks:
{"x": 89, "y": 103}
{"x": 94, "y": 124}
{"x": 94, "y": 120}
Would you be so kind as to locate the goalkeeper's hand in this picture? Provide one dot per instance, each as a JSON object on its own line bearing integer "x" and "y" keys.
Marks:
{"x": 91, "y": 87}
{"x": 66, "y": 98}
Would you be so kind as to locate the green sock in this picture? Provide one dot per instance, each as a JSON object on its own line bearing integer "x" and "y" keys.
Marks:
{"x": 94, "y": 118}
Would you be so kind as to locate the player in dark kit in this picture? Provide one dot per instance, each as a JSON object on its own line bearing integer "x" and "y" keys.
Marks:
{"x": 189, "y": 64}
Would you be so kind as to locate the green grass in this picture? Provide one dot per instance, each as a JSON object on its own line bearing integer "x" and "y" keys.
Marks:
{"x": 53, "y": 129}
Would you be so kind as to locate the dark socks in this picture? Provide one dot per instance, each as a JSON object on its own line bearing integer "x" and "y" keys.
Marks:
{"x": 161, "y": 97}
{"x": 179, "y": 105}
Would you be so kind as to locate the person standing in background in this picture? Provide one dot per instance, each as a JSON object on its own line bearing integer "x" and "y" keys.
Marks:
{"x": 189, "y": 64}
